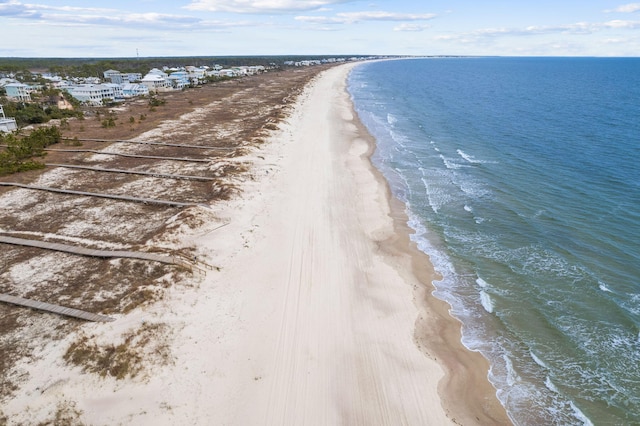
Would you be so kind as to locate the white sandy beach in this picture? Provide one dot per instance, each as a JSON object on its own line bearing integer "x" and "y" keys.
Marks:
{"x": 311, "y": 319}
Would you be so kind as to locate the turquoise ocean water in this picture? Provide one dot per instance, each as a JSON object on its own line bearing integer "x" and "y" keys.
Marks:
{"x": 521, "y": 178}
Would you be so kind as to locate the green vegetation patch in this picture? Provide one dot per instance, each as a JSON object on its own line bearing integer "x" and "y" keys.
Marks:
{"x": 19, "y": 152}
{"x": 27, "y": 113}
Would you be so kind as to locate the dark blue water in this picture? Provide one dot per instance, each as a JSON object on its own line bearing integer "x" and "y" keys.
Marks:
{"x": 521, "y": 178}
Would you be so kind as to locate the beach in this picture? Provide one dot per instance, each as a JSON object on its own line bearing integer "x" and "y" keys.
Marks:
{"x": 320, "y": 310}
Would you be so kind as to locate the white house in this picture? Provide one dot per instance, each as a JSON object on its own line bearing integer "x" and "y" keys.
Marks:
{"x": 179, "y": 79}
{"x": 7, "y": 124}
{"x": 92, "y": 94}
{"x": 117, "y": 91}
{"x": 132, "y": 77}
{"x": 131, "y": 90}
{"x": 156, "y": 83}
{"x": 18, "y": 91}
{"x": 227, "y": 72}
{"x": 196, "y": 74}
{"x": 113, "y": 76}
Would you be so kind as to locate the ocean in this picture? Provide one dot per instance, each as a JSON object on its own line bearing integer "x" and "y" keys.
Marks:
{"x": 521, "y": 179}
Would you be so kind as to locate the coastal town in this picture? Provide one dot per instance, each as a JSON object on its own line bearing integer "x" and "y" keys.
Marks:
{"x": 115, "y": 86}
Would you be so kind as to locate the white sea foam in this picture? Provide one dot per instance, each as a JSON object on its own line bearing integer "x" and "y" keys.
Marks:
{"x": 580, "y": 415}
{"x": 538, "y": 360}
{"x": 486, "y": 301}
{"x": 482, "y": 283}
{"x": 391, "y": 119}
{"x": 449, "y": 164}
{"x": 468, "y": 208}
{"x": 512, "y": 376}
{"x": 604, "y": 287}
{"x": 436, "y": 195}
{"x": 469, "y": 158}
{"x": 549, "y": 384}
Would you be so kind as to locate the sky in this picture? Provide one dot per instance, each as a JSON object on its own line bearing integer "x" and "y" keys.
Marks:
{"x": 148, "y": 28}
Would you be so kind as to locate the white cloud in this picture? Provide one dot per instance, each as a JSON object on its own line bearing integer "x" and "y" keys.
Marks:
{"x": 410, "y": 27}
{"x": 576, "y": 28}
{"x": 261, "y": 6}
{"x": 627, "y": 8}
{"x": 67, "y": 15}
{"x": 622, "y": 24}
{"x": 353, "y": 17}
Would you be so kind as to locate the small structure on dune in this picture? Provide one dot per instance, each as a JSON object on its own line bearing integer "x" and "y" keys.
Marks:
{"x": 7, "y": 124}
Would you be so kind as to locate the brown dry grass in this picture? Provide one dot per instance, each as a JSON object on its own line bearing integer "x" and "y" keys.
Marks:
{"x": 128, "y": 358}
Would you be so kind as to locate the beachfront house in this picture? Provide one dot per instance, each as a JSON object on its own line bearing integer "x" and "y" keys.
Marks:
{"x": 113, "y": 76}
{"x": 179, "y": 79}
{"x": 18, "y": 92}
{"x": 117, "y": 91}
{"x": 196, "y": 74}
{"x": 132, "y": 77}
{"x": 131, "y": 90}
{"x": 93, "y": 94}
{"x": 7, "y": 124}
{"x": 157, "y": 81}
{"x": 228, "y": 73}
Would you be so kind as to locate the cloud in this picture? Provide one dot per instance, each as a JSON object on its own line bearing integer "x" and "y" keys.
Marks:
{"x": 411, "y": 27}
{"x": 576, "y": 28}
{"x": 353, "y": 17}
{"x": 261, "y": 6}
{"x": 17, "y": 10}
{"x": 626, "y": 8}
{"x": 631, "y": 25}
{"x": 88, "y": 16}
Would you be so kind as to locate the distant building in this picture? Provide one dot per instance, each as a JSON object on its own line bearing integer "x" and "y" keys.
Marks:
{"x": 7, "y": 124}
{"x": 117, "y": 91}
{"x": 114, "y": 76}
{"x": 131, "y": 90}
{"x": 179, "y": 79}
{"x": 157, "y": 82}
{"x": 18, "y": 91}
{"x": 132, "y": 77}
{"x": 93, "y": 94}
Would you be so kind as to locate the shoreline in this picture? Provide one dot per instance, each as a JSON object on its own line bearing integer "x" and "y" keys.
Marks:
{"x": 466, "y": 393}
{"x": 320, "y": 310}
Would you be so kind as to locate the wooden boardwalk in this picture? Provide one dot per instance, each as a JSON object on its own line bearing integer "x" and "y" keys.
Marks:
{"x": 101, "y": 195}
{"x": 132, "y": 172}
{"x": 152, "y": 157}
{"x": 156, "y": 143}
{"x": 56, "y": 309}
{"x": 83, "y": 251}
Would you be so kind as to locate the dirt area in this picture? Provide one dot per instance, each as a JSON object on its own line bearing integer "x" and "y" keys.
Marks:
{"x": 229, "y": 119}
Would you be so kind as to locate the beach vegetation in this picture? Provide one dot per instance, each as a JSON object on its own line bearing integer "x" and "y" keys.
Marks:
{"x": 109, "y": 122}
{"x": 27, "y": 113}
{"x": 64, "y": 124}
{"x": 67, "y": 414}
{"x": 154, "y": 101}
{"x": 19, "y": 154}
{"x": 72, "y": 142}
{"x": 128, "y": 358}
